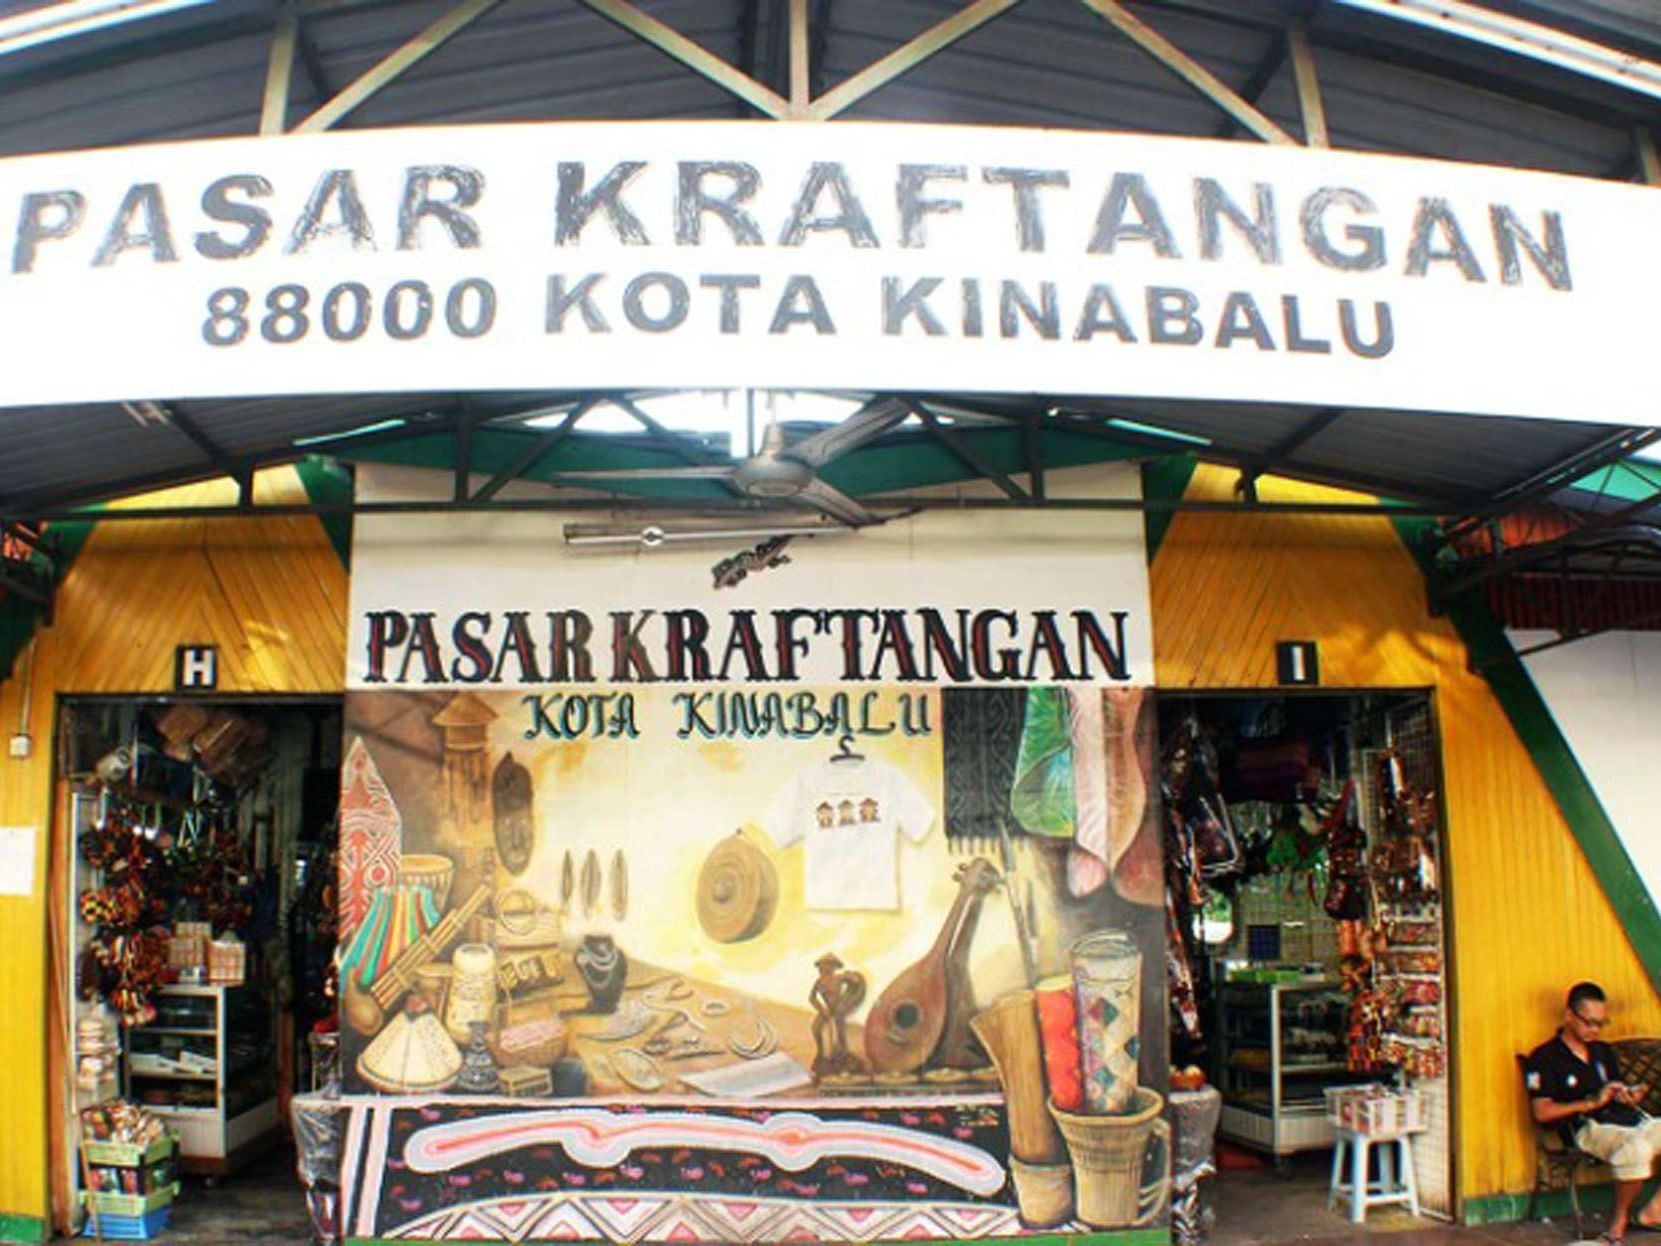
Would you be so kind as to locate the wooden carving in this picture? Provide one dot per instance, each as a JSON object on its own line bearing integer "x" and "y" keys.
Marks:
{"x": 511, "y": 801}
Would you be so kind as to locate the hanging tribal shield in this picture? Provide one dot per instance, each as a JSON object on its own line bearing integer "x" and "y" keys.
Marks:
{"x": 510, "y": 799}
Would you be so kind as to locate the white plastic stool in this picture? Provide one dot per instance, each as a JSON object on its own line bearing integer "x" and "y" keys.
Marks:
{"x": 1396, "y": 1181}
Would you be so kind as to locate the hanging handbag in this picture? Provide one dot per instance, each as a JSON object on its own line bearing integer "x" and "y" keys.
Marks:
{"x": 1277, "y": 770}
{"x": 1346, "y": 893}
{"x": 1216, "y": 845}
{"x": 1346, "y": 898}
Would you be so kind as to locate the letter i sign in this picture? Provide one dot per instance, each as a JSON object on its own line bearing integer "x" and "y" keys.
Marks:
{"x": 195, "y": 668}
{"x": 1297, "y": 662}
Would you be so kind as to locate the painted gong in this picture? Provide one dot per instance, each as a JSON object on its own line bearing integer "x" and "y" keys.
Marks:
{"x": 510, "y": 800}
{"x": 738, "y": 890}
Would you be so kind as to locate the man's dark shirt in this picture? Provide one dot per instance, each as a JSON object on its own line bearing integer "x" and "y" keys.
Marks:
{"x": 1554, "y": 1072}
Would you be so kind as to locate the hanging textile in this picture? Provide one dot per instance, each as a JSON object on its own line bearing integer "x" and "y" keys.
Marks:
{"x": 981, "y": 738}
{"x": 1042, "y": 795}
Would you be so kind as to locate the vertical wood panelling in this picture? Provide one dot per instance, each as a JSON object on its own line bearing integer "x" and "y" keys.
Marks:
{"x": 1528, "y": 916}
{"x": 270, "y": 592}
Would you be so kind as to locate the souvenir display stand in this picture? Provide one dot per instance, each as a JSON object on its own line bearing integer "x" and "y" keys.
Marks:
{"x": 1368, "y": 1119}
{"x": 129, "y": 1165}
{"x": 1303, "y": 839}
{"x": 174, "y": 888}
{"x": 207, "y": 1065}
{"x": 1282, "y": 1046}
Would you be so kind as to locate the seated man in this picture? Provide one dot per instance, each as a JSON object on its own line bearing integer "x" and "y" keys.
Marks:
{"x": 1574, "y": 1083}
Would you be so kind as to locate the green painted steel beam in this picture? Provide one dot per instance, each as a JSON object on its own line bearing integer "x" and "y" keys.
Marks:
{"x": 1491, "y": 653}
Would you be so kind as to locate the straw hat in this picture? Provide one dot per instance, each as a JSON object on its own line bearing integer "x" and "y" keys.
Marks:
{"x": 412, "y": 1055}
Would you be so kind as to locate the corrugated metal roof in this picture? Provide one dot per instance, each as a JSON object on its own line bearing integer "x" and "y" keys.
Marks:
{"x": 1388, "y": 86}
{"x": 1428, "y": 457}
{"x": 1632, "y": 24}
{"x": 200, "y": 72}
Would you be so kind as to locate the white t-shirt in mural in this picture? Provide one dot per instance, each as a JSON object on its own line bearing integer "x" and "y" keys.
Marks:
{"x": 848, "y": 813}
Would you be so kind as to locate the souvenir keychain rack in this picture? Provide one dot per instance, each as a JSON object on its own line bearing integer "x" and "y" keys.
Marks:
{"x": 1399, "y": 1016}
{"x": 148, "y": 857}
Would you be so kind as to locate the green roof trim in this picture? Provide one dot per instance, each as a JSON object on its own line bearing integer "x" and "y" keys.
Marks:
{"x": 1491, "y": 652}
{"x": 1164, "y": 480}
{"x": 1630, "y": 480}
{"x": 327, "y": 483}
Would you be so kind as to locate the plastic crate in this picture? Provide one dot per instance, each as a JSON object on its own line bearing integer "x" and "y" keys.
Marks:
{"x": 107, "y": 1204}
{"x": 1375, "y": 1110}
{"x": 133, "y": 1179}
{"x": 130, "y": 1228}
{"x": 128, "y": 1154}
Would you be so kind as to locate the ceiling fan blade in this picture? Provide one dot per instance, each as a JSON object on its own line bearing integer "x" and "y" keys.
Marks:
{"x": 710, "y": 471}
{"x": 870, "y": 421}
{"x": 838, "y": 505}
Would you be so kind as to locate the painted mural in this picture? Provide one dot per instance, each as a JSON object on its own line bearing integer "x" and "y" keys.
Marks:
{"x": 702, "y": 958}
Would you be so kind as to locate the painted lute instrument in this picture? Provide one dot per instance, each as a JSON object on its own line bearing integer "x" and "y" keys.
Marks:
{"x": 924, "y": 1013}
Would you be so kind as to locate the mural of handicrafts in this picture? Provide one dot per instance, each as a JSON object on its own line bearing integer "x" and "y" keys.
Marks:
{"x": 755, "y": 987}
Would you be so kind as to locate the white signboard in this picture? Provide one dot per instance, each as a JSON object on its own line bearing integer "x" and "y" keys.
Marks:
{"x": 1604, "y": 693}
{"x": 868, "y": 256}
{"x": 17, "y": 860}
{"x": 960, "y": 598}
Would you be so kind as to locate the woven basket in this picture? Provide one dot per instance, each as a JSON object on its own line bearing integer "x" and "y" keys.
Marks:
{"x": 530, "y": 1044}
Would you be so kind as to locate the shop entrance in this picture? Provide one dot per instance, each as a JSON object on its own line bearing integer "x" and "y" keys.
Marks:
{"x": 195, "y": 867}
{"x": 1304, "y": 851}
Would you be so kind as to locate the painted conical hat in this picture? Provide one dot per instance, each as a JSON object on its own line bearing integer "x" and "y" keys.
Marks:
{"x": 411, "y": 1055}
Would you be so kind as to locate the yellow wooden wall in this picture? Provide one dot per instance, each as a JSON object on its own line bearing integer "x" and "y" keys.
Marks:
{"x": 1528, "y": 916}
{"x": 269, "y": 592}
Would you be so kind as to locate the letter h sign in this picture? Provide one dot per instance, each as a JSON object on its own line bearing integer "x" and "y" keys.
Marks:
{"x": 195, "y": 668}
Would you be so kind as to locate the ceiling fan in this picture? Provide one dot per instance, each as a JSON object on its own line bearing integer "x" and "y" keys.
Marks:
{"x": 786, "y": 471}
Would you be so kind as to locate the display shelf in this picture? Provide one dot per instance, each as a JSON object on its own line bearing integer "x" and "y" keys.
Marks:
{"x": 1293, "y": 1068}
{"x": 1274, "y": 1088}
{"x": 241, "y": 1108}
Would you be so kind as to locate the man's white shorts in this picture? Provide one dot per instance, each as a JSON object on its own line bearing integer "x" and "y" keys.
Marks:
{"x": 1629, "y": 1149}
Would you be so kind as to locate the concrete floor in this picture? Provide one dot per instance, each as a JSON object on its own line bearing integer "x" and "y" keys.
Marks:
{"x": 1258, "y": 1206}
{"x": 264, "y": 1206}
{"x": 261, "y": 1206}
